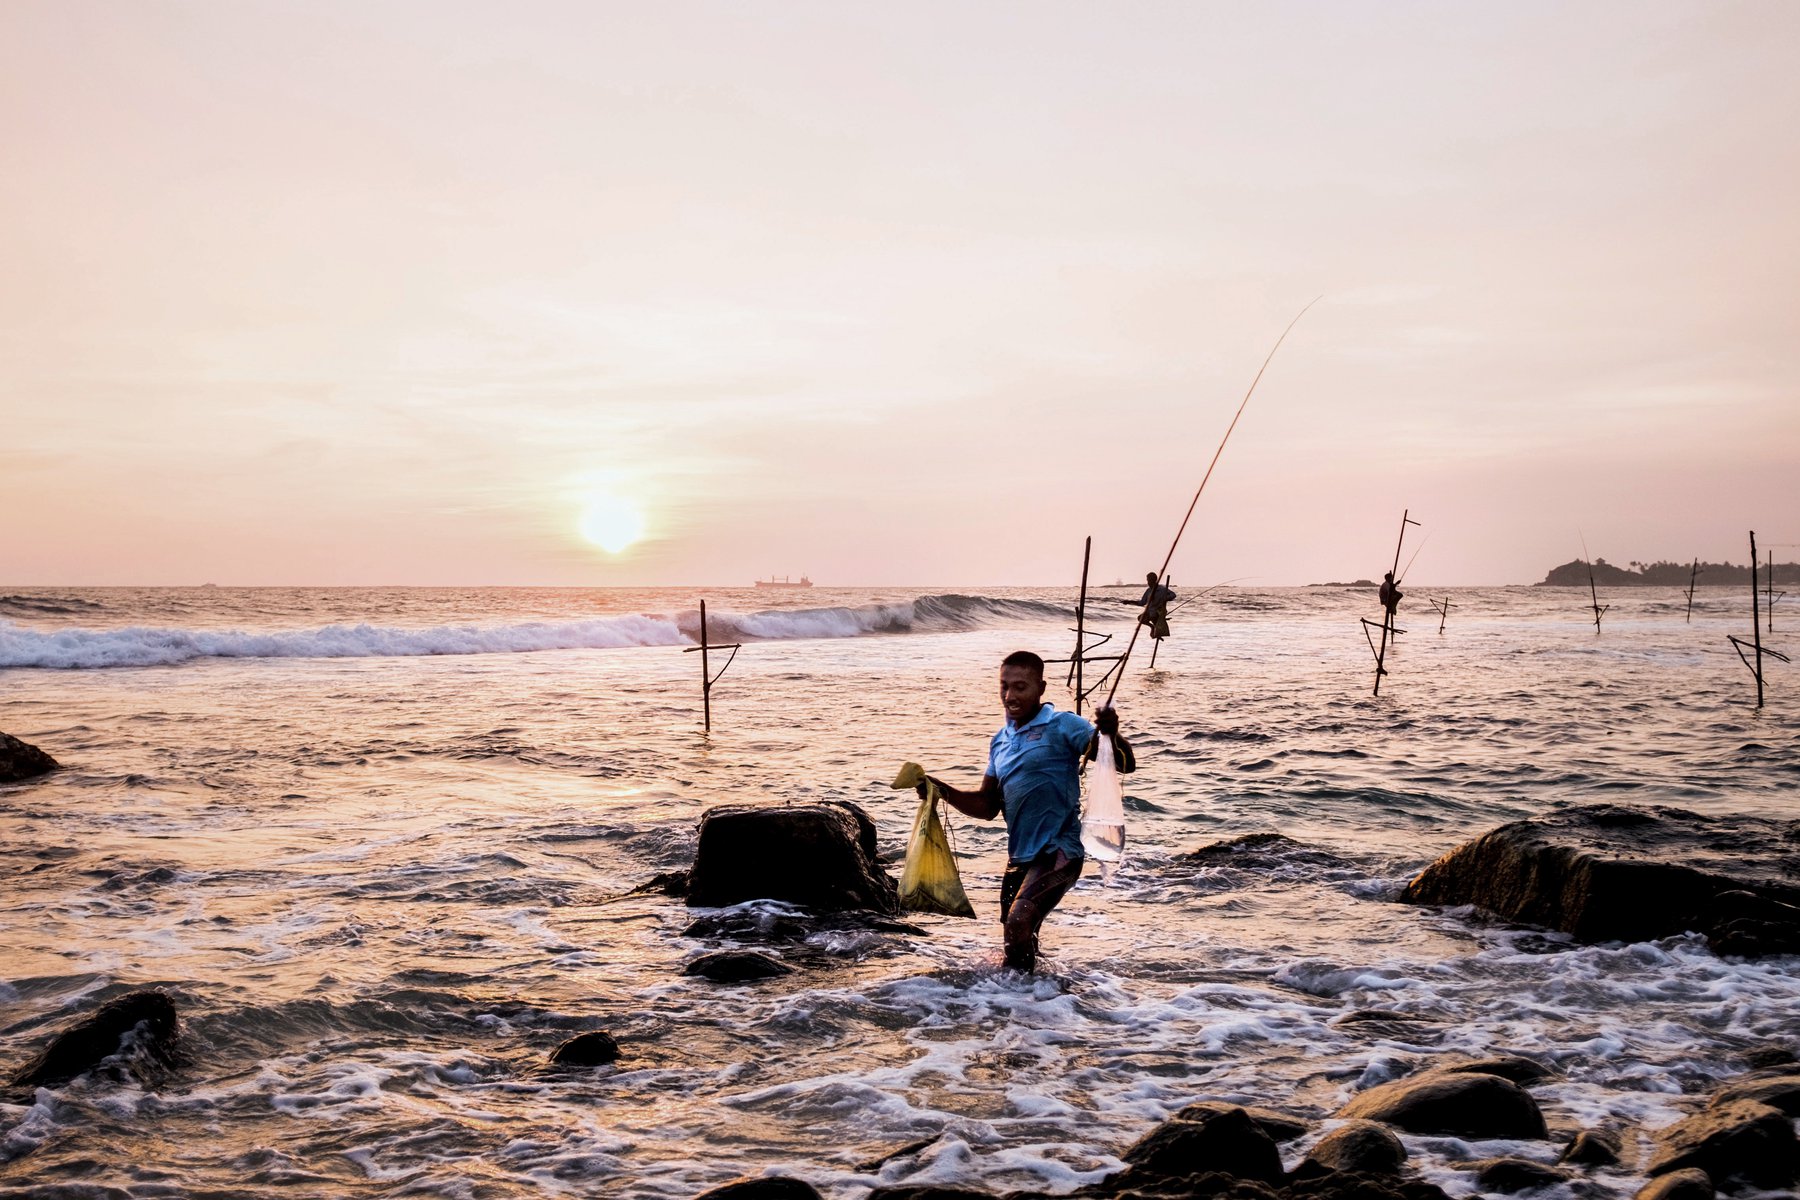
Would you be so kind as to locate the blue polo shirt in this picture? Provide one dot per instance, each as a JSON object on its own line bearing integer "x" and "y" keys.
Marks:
{"x": 1038, "y": 765}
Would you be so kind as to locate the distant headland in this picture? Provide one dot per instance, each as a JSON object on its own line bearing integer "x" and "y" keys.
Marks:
{"x": 1662, "y": 574}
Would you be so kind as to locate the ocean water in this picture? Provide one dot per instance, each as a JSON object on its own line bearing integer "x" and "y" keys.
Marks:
{"x": 377, "y": 843}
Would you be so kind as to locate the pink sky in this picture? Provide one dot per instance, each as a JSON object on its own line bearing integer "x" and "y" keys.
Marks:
{"x": 891, "y": 293}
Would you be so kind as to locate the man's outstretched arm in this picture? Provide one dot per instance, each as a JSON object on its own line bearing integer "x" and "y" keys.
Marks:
{"x": 983, "y": 805}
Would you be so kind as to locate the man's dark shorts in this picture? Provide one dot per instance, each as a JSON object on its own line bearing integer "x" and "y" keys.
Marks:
{"x": 1028, "y": 892}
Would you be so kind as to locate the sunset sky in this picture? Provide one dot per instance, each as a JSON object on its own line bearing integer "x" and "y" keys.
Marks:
{"x": 891, "y": 293}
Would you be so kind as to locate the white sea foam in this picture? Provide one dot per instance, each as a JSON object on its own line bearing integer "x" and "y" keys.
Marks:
{"x": 152, "y": 646}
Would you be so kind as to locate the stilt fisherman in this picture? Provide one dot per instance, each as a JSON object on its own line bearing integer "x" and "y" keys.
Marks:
{"x": 1155, "y": 603}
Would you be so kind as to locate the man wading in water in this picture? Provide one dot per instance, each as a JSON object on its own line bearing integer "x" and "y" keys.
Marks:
{"x": 1034, "y": 777}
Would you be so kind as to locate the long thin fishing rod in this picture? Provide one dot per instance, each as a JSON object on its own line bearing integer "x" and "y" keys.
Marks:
{"x": 1170, "y": 557}
{"x": 1412, "y": 560}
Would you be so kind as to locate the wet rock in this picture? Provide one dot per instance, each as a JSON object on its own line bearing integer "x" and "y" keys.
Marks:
{"x": 1355, "y": 1185}
{"x": 928, "y": 1191}
{"x": 1776, "y": 1091}
{"x": 1466, "y": 1105}
{"x": 1356, "y": 1146}
{"x": 591, "y": 1049}
{"x": 1608, "y": 872}
{"x": 21, "y": 760}
{"x": 1261, "y": 852}
{"x": 818, "y": 855}
{"x": 1278, "y": 1126}
{"x": 1746, "y": 925}
{"x": 766, "y": 1188}
{"x": 1522, "y": 1071}
{"x": 1738, "y": 1140}
{"x": 872, "y": 1165}
{"x": 142, "y": 1023}
{"x": 736, "y": 966}
{"x": 664, "y": 883}
{"x": 1592, "y": 1148}
{"x": 1226, "y": 1143}
{"x": 1517, "y": 1175}
{"x": 763, "y": 923}
{"x": 1772, "y": 1055}
{"x": 1689, "y": 1184}
{"x": 1414, "y": 1028}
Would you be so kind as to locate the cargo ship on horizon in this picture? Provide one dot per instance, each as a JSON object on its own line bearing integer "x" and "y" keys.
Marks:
{"x": 784, "y": 582}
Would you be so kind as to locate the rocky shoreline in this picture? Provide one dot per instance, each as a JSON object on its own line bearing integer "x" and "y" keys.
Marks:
{"x": 1597, "y": 873}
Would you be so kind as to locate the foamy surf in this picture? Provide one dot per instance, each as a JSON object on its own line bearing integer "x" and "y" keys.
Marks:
{"x": 161, "y": 646}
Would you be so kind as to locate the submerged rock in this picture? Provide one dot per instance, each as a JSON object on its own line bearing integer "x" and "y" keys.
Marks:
{"x": 1592, "y": 1148}
{"x": 591, "y": 1049}
{"x": 1227, "y": 1143}
{"x": 1356, "y": 1146}
{"x": 1522, "y": 1071}
{"x": 1608, "y": 872}
{"x": 736, "y": 966}
{"x": 766, "y": 1188}
{"x": 1735, "y": 1140}
{"x": 1777, "y": 1091}
{"x": 1517, "y": 1175}
{"x": 818, "y": 855}
{"x": 1358, "y": 1185}
{"x": 1688, "y": 1184}
{"x": 21, "y": 760}
{"x": 1463, "y": 1104}
{"x": 142, "y": 1022}
{"x": 1278, "y": 1126}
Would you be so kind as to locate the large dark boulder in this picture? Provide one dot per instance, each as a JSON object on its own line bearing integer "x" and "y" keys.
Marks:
{"x": 1225, "y": 1143}
{"x": 1356, "y": 1146}
{"x": 1522, "y": 1071}
{"x": 142, "y": 1024}
{"x": 1448, "y": 1102}
{"x": 1739, "y": 1140}
{"x": 21, "y": 760}
{"x": 1608, "y": 872}
{"x": 819, "y": 855}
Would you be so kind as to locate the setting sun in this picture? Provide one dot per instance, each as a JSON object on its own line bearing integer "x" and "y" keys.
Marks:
{"x": 611, "y": 523}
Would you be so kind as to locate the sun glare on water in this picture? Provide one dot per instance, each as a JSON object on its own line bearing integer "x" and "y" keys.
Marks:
{"x": 611, "y": 523}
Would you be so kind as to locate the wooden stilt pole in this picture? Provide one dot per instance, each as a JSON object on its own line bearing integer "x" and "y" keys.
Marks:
{"x": 707, "y": 678}
{"x": 1755, "y": 643}
{"x": 1755, "y": 622}
{"x": 1081, "y": 657}
{"x": 1693, "y": 578}
{"x": 1387, "y": 614}
{"x": 1593, "y": 591}
{"x": 1771, "y": 586}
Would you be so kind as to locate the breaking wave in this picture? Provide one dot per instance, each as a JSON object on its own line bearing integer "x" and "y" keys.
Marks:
{"x": 145, "y": 646}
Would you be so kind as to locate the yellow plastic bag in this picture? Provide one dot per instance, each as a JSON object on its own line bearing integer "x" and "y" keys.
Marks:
{"x": 929, "y": 882}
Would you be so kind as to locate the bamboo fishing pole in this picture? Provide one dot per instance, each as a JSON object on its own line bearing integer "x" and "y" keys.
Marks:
{"x": 1170, "y": 557}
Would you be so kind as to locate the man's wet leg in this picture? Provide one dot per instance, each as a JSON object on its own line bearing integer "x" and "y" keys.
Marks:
{"x": 1025, "y": 903}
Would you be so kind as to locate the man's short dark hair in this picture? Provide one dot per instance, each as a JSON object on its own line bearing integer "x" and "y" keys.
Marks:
{"x": 1024, "y": 658}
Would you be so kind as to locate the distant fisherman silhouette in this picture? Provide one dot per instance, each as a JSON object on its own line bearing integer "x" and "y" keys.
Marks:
{"x": 1034, "y": 778}
{"x": 1155, "y": 603}
{"x": 1390, "y": 596}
